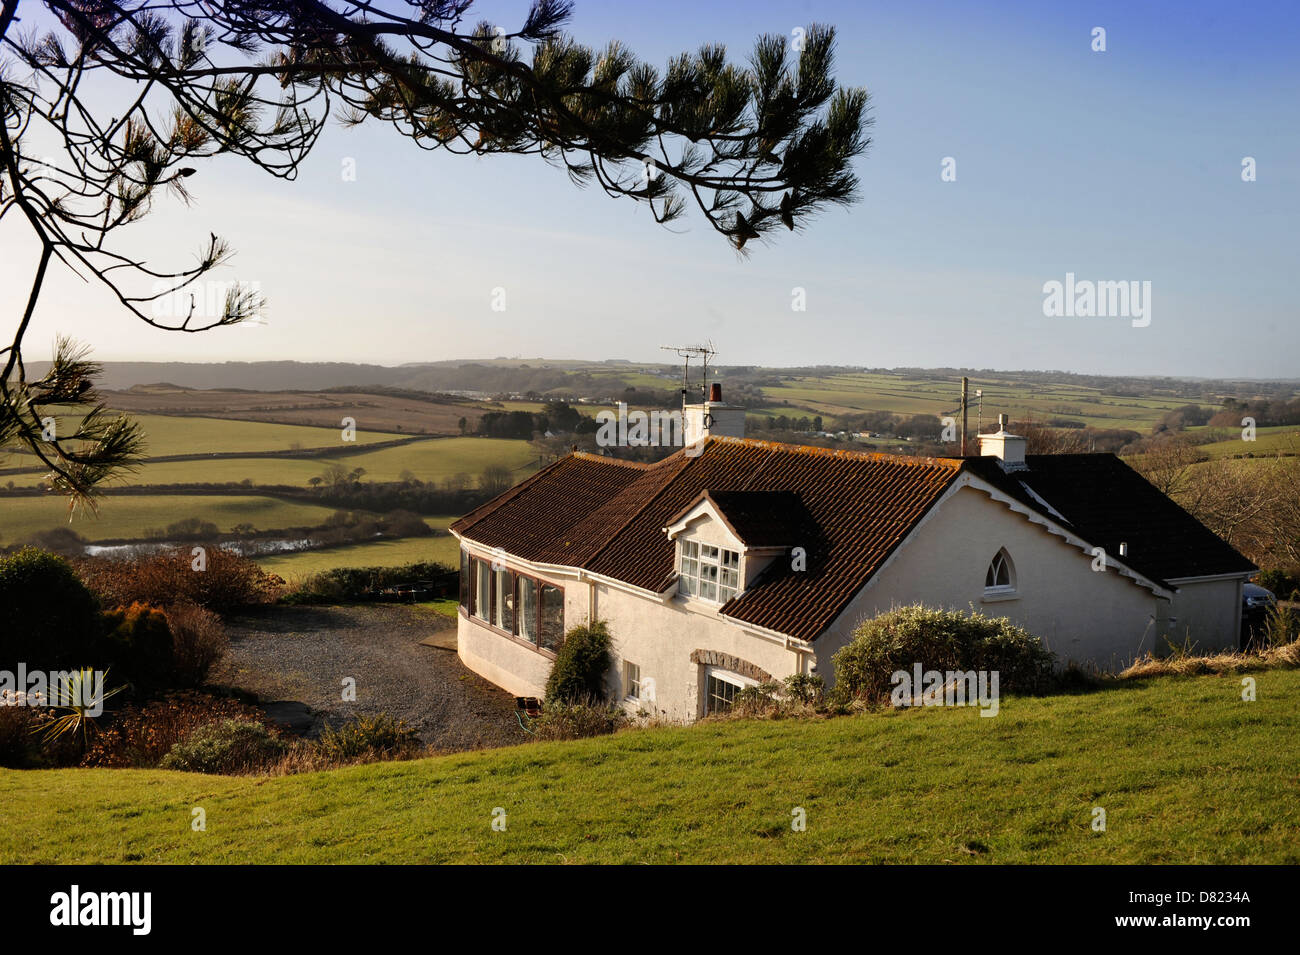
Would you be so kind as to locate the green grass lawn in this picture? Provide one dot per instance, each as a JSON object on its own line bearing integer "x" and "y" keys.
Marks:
{"x": 127, "y": 516}
{"x": 442, "y": 549}
{"x": 1186, "y": 771}
{"x": 170, "y": 434}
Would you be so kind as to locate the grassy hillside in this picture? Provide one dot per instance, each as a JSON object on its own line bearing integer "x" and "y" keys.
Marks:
{"x": 429, "y": 460}
{"x": 853, "y": 393}
{"x": 1285, "y": 439}
{"x": 1186, "y": 771}
{"x": 442, "y": 549}
{"x": 167, "y": 435}
{"x": 128, "y": 516}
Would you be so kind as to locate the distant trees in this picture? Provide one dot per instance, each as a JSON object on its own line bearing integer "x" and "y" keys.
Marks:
{"x": 507, "y": 424}
{"x": 1254, "y": 505}
{"x": 556, "y": 416}
{"x": 923, "y": 427}
{"x": 495, "y": 479}
{"x": 1167, "y": 463}
{"x": 1266, "y": 412}
{"x": 1188, "y": 416}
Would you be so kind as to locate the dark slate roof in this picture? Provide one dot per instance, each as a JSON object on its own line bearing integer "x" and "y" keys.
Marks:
{"x": 1107, "y": 503}
{"x": 761, "y": 518}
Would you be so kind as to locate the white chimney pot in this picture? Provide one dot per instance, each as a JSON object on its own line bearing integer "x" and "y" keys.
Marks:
{"x": 1008, "y": 448}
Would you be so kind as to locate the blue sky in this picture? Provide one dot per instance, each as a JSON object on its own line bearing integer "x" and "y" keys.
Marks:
{"x": 1122, "y": 165}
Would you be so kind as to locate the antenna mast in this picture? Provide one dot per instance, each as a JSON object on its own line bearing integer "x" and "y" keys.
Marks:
{"x": 686, "y": 352}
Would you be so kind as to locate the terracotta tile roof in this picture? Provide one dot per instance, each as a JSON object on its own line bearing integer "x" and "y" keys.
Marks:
{"x": 853, "y": 508}
{"x": 1108, "y": 503}
{"x": 760, "y": 518}
{"x": 536, "y": 518}
{"x": 862, "y": 504}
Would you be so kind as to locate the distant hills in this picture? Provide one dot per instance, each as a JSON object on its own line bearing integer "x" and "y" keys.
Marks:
{"x": 494, "y": 375}
{"x": 501, "y": 375}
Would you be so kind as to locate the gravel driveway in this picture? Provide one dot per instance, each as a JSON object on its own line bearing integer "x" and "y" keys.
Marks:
{"x": 305, "y": 653}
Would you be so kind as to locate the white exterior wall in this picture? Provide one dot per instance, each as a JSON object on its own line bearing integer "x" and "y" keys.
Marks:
{"x": 509, "y": 664}
{"x": 1078, "y": 613}
{"x": 1207, "y": 614}
{"x": 512, "y": 664}
{"x": 660, "y": 637}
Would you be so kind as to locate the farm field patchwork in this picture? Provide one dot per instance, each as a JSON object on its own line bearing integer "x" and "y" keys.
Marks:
{"x": 856, "y": 393}
{"x": 432, "y": 459}
{"x": 168, "y": 435}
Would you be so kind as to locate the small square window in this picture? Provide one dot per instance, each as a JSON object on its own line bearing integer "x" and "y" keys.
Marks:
{"x": 631, "y": 680}
{"x": 719, "y": 695}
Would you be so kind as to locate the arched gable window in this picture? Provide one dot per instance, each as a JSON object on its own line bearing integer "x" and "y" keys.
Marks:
{"x": 1000, "y": 578}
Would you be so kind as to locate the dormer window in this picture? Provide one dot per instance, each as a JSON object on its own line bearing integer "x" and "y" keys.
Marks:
{"x": 1000, "y": 577}
{"x": 708, "y": 572}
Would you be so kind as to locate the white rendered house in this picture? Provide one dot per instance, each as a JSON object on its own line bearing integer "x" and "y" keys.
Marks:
{"x": 738, "y": 561}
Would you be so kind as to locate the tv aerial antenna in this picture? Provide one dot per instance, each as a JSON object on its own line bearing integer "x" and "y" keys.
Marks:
{"x": 686, "y": 353}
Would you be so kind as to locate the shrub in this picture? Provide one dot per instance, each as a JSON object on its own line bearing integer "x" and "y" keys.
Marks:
{"x": 1284, "y": 585}
{"x": 48, "y": 619}
{"x": 25, "y": 740}
{"x": 581, "y": 663}
{"x": 227, "y": 582}
{"x": 1281, "y": 626}
{"x": 140, "y": 736}
{"x": 577, "y": 720}
{"x": 757, "y": 700}
{"x": 380, "y": 736}
{"x": 806, "y": 688}
{"x": 19, "y": 744}
{"x": 341, "y": 584}
{"x": 231, "y": 746}
{"x": 137, "y": 644}
{"x": 199, "y": 641}
{"x": 938, "y": 640}
{"x": 798, "y": 694}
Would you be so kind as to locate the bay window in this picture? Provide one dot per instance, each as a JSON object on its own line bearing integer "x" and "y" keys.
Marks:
{"x": 520, "y": 606}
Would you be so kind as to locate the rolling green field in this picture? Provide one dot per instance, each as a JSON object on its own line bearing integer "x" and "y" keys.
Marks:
{"x": 832, "y": 395}
{"x": 441, "y": 549}
{"x": 128, "y": 516}
{"x": 167, "y": 435}
{"x": 429, "y": 460}
{"x": 1285, "y": 438}
{"x": 1186, "y": 771}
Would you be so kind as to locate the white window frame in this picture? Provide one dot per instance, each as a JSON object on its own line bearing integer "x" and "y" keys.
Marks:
{"x": 629, "y": 682}
{"x": 483, "y": 591}
{"x": 723, "y": 676}
{"x": 702, "y": 569}
{"x": 997, "y": 591}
